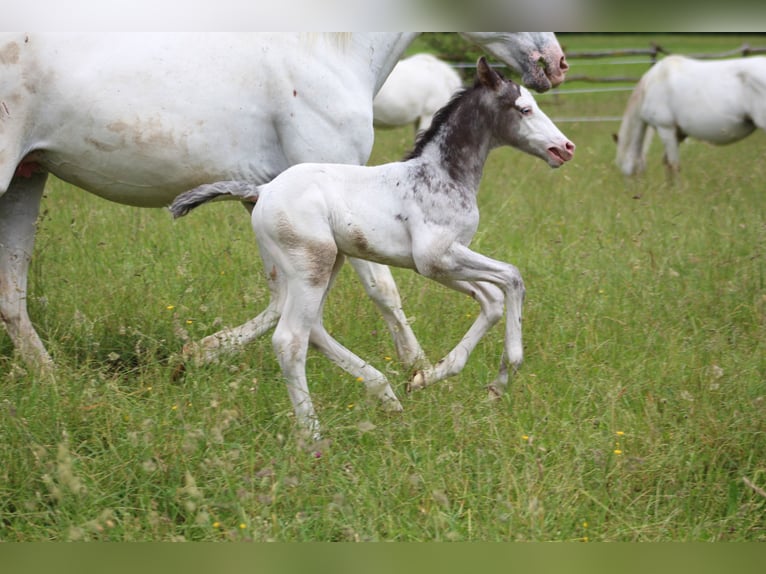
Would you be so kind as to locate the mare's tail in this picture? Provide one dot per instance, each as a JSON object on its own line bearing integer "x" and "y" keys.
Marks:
{"x": 635, "y": 135}
{"x": 221, "y": 190}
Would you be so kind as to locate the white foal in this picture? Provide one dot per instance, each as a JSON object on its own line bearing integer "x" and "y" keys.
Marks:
{"x": 420, "y": 213}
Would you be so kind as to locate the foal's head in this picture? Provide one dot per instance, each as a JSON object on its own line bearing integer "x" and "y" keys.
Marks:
{"x": 517, "y": 121}
{"x": 494, "y": 112}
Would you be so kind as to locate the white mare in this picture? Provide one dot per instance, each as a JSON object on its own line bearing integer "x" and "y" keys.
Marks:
{"x": 420, "y": 214}
{"x": 138, "y": 118}
{"x": 717, "y": 101}
{"x": 416, "y": 88}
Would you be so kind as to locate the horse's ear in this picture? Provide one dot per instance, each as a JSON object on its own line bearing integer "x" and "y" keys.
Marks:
{"x": 487, "y": 75}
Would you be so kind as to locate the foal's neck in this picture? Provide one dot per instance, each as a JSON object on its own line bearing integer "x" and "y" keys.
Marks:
{"x": 462, "y": 144}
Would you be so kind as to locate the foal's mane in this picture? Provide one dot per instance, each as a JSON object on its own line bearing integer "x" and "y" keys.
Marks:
{"x": 439, "y": 119}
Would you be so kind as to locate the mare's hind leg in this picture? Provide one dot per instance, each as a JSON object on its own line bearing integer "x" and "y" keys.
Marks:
{"x": 233, "y": 339}
{"x": 19, "y": 207}
{"x": 380, "y": 286}
{"x": 490, "y": 299}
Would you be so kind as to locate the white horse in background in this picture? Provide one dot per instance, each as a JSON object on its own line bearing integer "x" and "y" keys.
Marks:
{"x": 416, "y": 88}
{"x": 419, "y": 214}
{"x": 139, "y": 118}
{"x": 719, "y": 101}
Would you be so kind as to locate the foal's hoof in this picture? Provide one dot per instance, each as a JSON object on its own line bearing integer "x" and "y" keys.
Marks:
{"x": 179, "y": 369}
{"x": 418, "y": 381}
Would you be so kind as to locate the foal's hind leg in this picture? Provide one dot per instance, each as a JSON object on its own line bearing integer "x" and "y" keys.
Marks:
{"x": 19, "y": 207}
{"x": 376, "y": 382}
{"x": 381, "y": 288}
{"x": 301, "y": 324}
{"x": 379, "y": 285}
{"x": 290, "y": 341}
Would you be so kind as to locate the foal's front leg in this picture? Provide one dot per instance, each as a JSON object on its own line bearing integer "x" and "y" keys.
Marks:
{"x": 460, "y": 264}
{"x": 490, "y": 300}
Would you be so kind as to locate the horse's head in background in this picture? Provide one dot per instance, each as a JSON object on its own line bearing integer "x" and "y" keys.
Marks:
{"x": 537, "y": 55}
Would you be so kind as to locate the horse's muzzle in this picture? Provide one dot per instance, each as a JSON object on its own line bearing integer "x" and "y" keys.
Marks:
{"x": 559, "y": 155}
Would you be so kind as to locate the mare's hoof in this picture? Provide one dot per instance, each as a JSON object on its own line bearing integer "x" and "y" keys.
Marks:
{"x": 202, "y": 352}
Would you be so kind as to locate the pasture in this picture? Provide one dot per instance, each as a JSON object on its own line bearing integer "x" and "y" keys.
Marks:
{"x": 639, "y": 413}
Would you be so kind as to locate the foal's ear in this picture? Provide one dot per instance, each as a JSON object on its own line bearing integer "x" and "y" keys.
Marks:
{"x": 487, "y": 75}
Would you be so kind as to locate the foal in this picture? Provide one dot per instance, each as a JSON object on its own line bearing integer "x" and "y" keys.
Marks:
{"x": 420, "y": 213}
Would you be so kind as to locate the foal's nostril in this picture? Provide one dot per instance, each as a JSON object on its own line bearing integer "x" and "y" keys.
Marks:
{"x": 563, "y": 65}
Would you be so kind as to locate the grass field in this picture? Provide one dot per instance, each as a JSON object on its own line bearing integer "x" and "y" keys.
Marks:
{"x": 639, "y": 413}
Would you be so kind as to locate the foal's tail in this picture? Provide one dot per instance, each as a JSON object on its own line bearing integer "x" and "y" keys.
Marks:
{"x": 222, "y": 190}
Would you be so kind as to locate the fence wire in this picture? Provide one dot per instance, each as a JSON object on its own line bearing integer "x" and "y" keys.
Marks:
{"x": 618, "y": 58}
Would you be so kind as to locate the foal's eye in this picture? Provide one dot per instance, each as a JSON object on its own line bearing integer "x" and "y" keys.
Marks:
{"x": 526, "y": 111}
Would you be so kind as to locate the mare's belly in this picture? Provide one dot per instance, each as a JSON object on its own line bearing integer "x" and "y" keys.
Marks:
{"x": 152, "y": 180}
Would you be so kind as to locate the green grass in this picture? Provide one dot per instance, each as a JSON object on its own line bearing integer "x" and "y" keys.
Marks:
{"x": 639, "y": 410}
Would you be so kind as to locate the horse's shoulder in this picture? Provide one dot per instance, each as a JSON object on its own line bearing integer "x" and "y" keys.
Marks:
{"x": 668, "y": 72}
{"x": 753, "y": 77}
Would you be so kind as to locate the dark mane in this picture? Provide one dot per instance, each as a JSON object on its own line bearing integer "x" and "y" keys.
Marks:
{"x": 439, "y": 119}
